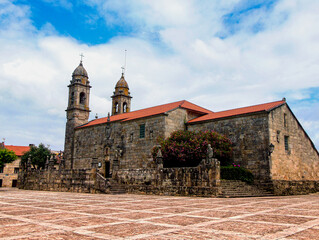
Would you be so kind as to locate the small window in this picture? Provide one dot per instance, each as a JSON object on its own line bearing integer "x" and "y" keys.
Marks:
{"x": 16, "y": 170}
{"x": 72, "y": 98}
{"x": 124, "y": 107}
{"x": 116, "y": 107}
{"x": 286, "y": 143}
{"x": 82, "y": 98}
{"x": 142, "y": 131}
{"x": 1, "y": 170}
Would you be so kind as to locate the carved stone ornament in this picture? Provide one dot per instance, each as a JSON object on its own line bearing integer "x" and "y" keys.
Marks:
{"x": 108, "y": 131}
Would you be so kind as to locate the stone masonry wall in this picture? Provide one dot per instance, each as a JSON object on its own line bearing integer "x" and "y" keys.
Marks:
{"x": 175, "y": 121}
{"x": 54, "y": 180}
{"x": 300, "y": 162}
{"x": 102, "y": 142}
{"x": 203, "y": 180}
{"x": 250, "y": 136}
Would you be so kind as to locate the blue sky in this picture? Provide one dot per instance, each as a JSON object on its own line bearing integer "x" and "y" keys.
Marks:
{"x": 217, "y": 54}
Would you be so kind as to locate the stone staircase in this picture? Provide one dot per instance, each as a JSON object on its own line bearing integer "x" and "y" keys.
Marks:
{"x": 116, "y": 188}
{"x": 236, "y": 188}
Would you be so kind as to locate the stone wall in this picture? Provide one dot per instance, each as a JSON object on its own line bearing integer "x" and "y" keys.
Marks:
{"x": 203, "y": 180}
{"x": 117, "y": 141}
{"x": 300, "y": 161}
{"x": 58, "y": 180}
{"x": 250, "y": 136}
{"x": 282, "y": 187}
{"x": 121, "y": 141}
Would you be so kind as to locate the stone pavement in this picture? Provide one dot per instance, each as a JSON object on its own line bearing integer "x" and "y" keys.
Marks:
{"x": 55, "y": 215}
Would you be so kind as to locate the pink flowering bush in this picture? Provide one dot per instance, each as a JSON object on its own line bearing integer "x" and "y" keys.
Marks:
{"x": 187, "y": 149}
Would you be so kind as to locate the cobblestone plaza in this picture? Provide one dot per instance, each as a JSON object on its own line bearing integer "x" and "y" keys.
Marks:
{"x": 59, "y": 215}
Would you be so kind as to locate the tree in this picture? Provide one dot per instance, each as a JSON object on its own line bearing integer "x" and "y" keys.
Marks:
{"x": 187, "y": 148}
{"x": 37, "y": 155}
{"x": 6, "y": 156}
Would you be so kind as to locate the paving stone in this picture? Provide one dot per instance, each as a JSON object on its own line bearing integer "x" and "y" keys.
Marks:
{"x": 57, "y": 215}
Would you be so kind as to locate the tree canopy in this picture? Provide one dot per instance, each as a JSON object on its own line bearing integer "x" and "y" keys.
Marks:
{"x": 6, "y": 156}
{"x": 37, "y": 155}
{"x": 187, "y": 149}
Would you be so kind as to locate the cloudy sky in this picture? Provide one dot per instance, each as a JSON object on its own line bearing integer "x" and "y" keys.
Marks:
{"x": 217, "y": 54}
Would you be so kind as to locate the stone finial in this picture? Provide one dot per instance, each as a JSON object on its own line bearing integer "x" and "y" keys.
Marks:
{"x": 159, "y": 152}
{"x": 47, "y": 163}
{"x": 210, "y": 152}
{"x": 28, "y": 164}
{"x": 108, "y": 117}
{"x": 159, "y": 158}
{"x": 51, "y": 162}
{"x": 284, "y": 99}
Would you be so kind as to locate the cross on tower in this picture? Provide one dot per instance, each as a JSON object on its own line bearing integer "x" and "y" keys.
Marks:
{"x": 82, "y": 56}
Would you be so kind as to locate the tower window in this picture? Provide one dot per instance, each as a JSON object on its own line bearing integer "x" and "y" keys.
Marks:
{"x": 287, "y": 143}
{"x": 116, "y": 107}
{"x": 142, "y": 131}
{"x": 125, "y": 107}
{"x": 82, "y": 98}
{"x": 72, "y": 98}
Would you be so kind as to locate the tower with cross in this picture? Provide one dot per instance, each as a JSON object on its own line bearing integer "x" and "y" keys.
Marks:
{"x": 78, "y": 110}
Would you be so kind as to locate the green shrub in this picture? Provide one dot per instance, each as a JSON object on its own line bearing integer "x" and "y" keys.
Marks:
{"x": 187, "y": 149}
{"x": 236, "y": 173}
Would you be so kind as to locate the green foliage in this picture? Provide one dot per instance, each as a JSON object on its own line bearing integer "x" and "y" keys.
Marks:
{"x": 236, "y": 173}
{"x": 6, "y": 156}
{"x": 187, "y": 149}
{"x": 37, "y": 155}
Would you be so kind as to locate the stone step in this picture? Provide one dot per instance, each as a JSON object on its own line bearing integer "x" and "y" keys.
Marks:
{"x": 235, "y": 188}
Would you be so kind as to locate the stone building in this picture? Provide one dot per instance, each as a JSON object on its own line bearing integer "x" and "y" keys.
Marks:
{"x": 9, "y": 173}
{"x": 268, "y": 139}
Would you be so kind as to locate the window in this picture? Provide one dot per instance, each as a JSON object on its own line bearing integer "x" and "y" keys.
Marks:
{"x": 16, "y": 170}
{"x": 1, "y": 170}
{"x": 116, "y": 107}
{"x": 124, "y": 107}
{"x": 142, "y": 131}
{"x": 287, "y": 143}
{"x": 72, "y": 98}
{"x": 82, "y": 98}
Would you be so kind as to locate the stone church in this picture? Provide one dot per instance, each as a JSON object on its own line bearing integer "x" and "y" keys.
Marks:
{"x": 268, "y": 139}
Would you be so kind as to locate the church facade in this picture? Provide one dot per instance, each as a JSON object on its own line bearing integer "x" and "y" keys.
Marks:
{"x": 267, "y": 138}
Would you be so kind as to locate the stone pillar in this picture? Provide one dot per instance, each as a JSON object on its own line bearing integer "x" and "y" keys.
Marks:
{"x": 51, "y": 163}
{"x": 28, "y": 164}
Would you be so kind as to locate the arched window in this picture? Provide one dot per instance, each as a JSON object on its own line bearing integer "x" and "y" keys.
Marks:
{"x": 72, "y": 98}
{"x": 116, "y": 107}
{"x": 124, "y": 107}
{"x": 82, "y": 98}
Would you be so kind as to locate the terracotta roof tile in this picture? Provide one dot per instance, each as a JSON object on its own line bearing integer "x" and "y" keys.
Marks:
{"x": 238, "y": 111}
{"x": 147, "y": 112}
{"x": 18, "y": 150}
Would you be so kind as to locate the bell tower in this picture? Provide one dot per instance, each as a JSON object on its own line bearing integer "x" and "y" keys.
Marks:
{"x": 78, "y": 110}
{"x": 121, "y": 99}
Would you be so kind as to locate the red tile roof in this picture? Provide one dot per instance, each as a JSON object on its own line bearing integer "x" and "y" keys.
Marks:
{"x": 152, "y": 111}
{"x": 18, "y": 150}
{"x": 238, "y": 111}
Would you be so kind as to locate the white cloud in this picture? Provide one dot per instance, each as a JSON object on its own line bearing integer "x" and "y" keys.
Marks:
{"x": 187, "y": 61}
